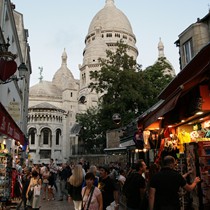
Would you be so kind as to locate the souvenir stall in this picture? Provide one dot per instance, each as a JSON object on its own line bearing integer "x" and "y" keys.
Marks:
{"x": 11, "y": 140}
{"x": 179, "y": 125}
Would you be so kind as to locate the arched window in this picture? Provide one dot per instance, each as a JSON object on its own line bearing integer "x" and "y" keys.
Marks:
{"x": 46, "y": 136}
{"x": 31, "y": 135}
{"x": 58, "y": 135}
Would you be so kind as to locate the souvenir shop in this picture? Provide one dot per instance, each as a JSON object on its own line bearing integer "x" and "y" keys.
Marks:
{"x": 11, "y": 142}
{"x": 179, "y": 125}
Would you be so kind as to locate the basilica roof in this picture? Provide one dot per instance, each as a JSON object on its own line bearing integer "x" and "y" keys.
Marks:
{"x": 110, "y": 18}
{"x": 45, "y": 105}
{"x": 63, "y": 78}
{"x": 45, "y": 89}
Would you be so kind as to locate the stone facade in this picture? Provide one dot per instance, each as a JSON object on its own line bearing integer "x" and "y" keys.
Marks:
{"x": 53, "y": 105}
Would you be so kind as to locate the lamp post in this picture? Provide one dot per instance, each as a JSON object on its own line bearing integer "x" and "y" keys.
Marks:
{"x": 116, "y": 118}
{"x": 22, "y": 70}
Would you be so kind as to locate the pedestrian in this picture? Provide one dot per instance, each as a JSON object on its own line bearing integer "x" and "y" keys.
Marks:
{"x": 93, "y": 169}
{"x": 91, "y": 195}
{"x": 165, "y": 185}
{"x": 51, "y": 195}
{"x": 75, "y": 187}
{"x": 35, "y": 187}
{"x": 45, "y": 181}
{"x": 108, "y": 188}
{"x": 134, "y": 187}
{"x": 25, "y": 181}
{"x": 54, "y": 169}
{"x": 64, "y": 173}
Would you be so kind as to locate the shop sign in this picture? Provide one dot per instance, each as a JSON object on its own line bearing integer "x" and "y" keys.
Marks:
{"x": 9, "y": 127}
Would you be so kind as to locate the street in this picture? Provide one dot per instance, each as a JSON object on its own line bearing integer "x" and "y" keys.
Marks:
{"x": 59, "y": 205}
{"x": 56, "y": 205}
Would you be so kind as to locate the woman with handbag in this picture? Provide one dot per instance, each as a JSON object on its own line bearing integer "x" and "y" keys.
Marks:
{"x": 91, "y": 195}
{"x": 34, "y": 191}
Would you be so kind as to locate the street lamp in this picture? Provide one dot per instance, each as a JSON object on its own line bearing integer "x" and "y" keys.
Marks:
{"x": 116, "y": 118}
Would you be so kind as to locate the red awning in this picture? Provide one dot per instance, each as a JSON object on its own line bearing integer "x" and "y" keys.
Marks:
{"x": 9, "y": 127}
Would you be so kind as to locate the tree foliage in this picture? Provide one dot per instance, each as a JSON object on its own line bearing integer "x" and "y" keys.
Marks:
{"x": 125, "y": 88}
{"x": 91, "y": 133}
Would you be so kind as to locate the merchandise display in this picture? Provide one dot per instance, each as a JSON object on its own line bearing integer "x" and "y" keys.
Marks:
{"x": 5, "y": 176}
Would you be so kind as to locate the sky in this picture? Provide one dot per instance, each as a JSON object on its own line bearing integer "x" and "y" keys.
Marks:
{"x": 55, "y": 25}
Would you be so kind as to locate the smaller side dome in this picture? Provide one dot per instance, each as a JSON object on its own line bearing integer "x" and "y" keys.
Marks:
{"x": 45, "y": 89}
{"x": 63, "y": 78}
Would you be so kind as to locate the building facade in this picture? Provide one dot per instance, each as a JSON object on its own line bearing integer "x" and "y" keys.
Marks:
{"x": 53, "y": 105}
{"x": 14, "y": 83}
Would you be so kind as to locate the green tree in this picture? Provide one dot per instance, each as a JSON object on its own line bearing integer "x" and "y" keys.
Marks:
{"x": 125, "y": 89}
{"x": 157, "y": 79}
{"x": 120, "y": 81}
{"x": 91, "y": 133}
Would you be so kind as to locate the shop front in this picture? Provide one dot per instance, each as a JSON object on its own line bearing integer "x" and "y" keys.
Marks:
{"x": 179, "y": 125}
{"x": 11, "y": 139}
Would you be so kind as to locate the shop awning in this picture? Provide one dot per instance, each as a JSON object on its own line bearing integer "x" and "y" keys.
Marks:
{"x": 164, "y": 108}
{"x": 193, "y": 74}
{"x": 9, "y": 127}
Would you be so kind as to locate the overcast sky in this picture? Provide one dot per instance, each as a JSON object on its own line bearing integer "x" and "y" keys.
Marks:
{"x": 57, "y": 24}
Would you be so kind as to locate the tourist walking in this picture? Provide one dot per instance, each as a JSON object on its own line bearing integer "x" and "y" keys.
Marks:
{"x": 25, "y": 182}
{"x": 108, "y": 188}
{"x": 45, "y": 180}
{"x": 34, "y": 186}
{"x": 54, "y": 169}
{"x": 51, "y": 194}
{"x": 91, "y": 195}
{"x": 165, "y": 185}
{"x": 75, "y": 187}
{"x": 134, "y": 187}
{"x": 63, "y": 174}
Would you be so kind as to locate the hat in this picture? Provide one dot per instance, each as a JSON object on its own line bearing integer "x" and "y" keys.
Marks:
{"x": 105, "y": 167}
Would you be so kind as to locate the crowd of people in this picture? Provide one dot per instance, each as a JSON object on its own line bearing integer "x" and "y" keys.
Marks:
{"x": 97, "y": 187}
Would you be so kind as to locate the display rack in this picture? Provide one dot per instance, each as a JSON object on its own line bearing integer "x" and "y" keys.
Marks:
{"x": 5, "y": 178}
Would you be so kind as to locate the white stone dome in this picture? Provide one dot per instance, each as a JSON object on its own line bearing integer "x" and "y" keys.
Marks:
{"x": 110, "y": 18}
{"x": 63, "y": 78}
{"x": 45, "y": 89}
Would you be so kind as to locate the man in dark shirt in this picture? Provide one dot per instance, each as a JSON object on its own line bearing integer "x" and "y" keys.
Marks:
{"x": 164, "y": 187}
{"x": 135, "y": 187}
{"x": 107, "y": 187}
{"x": 64, "y": 173}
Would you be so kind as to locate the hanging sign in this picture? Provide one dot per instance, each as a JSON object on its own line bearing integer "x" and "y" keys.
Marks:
{"x": 9, "y": 127}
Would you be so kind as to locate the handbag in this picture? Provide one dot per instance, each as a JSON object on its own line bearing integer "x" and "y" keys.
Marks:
{"x": 30, "y": 194}
{"x": 89, "y": 200}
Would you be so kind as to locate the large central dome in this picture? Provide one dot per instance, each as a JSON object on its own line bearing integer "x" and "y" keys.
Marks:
{"x": 110, "y": 18}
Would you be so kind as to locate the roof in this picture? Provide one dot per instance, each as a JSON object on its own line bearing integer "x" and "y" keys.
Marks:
{"x": 76, "y": 128}
{"x": 191, "y": 75}
{"x": 196, "y": 72}
{"x": 45, "y": 105}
